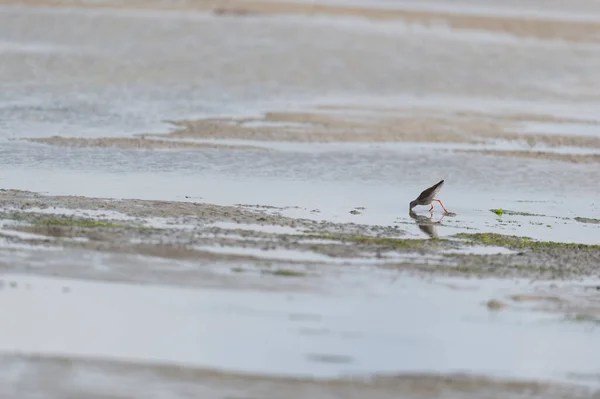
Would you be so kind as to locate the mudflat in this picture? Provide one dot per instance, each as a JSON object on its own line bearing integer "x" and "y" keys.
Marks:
{"x": 210, "y": 198}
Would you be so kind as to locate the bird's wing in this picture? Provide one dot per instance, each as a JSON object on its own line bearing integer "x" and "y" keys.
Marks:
{"x": 431, "y": 190}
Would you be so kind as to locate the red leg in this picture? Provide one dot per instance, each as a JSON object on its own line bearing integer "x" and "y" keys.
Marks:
{"x": 430, "y": 209}
{"x": 445, "y": 210}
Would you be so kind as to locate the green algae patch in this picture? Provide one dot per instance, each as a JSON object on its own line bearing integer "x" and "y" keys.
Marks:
{"x": 508, "y": 212}
{"x": 501, "y": 212}
{"x": 66, "y": 221}
{"x": 519, "y": 242}
{"x": 388, "y": 242}
{"x": 88, "y": 223}
{"x": 585, "y": 318}
{"x": 587, "y": 220}
{"x": 495, "y": 305}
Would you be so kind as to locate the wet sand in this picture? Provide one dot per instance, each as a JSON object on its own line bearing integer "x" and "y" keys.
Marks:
{"x": 194, "y": 231}
{"x": 174, "y": 202}
{"x": 183, "y": 382}
{"x": 369, "y": 127}
{"x": 515, "y": 23}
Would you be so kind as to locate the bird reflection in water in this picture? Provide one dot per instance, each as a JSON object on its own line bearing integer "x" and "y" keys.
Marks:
{"x": 426, "y": 223}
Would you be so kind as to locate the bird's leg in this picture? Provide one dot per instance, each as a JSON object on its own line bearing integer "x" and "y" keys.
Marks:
{"x": 430, "y": 209}
{"x": 445, "y": 210}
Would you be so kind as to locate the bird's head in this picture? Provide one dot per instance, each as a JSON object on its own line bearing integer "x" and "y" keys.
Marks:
{"x": 412, "y": 204}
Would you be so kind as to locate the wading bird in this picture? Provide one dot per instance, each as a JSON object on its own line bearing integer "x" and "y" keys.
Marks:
{"x": 428, "y": 196}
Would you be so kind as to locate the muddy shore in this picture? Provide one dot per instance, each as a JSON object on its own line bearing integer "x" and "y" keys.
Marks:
{"x": 144, "y": 227}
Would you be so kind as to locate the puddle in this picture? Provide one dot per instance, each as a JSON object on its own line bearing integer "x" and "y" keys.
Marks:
{"x": 321, "y": 241}
{"x": 263, "y": 228}
{"x": 307, "y": 256}
{"x": 167, "y": 223}
{"x": 25, "y": 236}
{"x": 480, "y": 250}
{"x": 401, "y": 325}
{"x": 239, "y": 237}
{"x": 6, "y": 243}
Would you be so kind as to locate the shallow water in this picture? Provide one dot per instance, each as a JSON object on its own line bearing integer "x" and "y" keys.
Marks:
{"x": 406, "y": 324}
{"x": 99, "y": 82}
